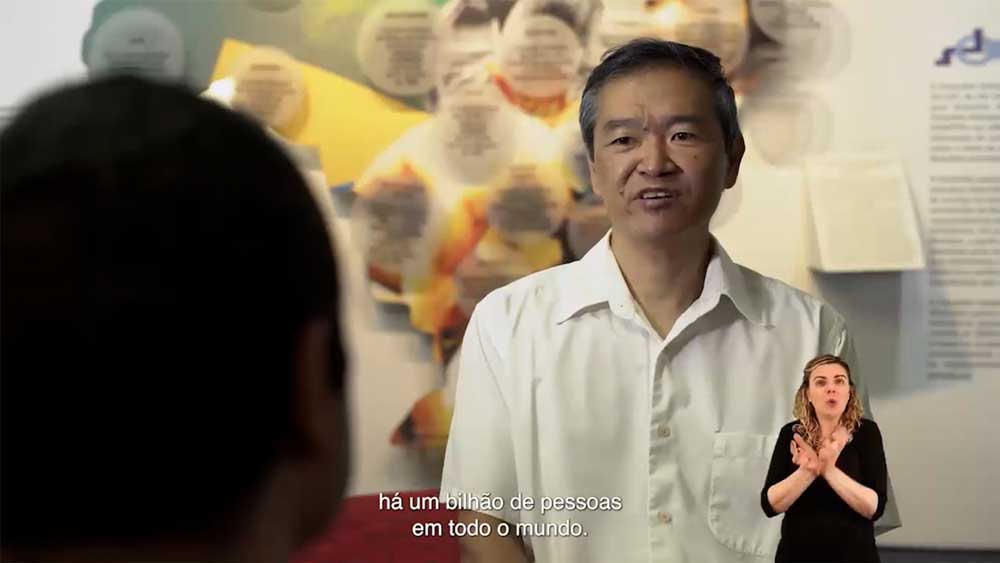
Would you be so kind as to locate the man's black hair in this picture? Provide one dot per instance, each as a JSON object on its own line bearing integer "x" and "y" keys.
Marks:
{"x": 644, "y": 53}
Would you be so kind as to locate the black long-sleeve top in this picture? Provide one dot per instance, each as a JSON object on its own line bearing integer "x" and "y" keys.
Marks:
{"x": 819, "y": 525}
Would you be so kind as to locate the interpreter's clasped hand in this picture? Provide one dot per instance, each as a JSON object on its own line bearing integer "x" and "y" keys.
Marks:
{"x": 831, "y": 447}
{"x": 805, "y": 457}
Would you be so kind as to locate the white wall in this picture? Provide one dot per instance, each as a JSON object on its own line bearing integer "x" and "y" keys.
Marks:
{"x": 40, "y": 45}
{"x": 942, "y": 440}
{"x": 945, "y": 442}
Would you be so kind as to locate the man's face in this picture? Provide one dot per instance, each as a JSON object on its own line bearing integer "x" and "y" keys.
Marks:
{"x": 660, "y": 161}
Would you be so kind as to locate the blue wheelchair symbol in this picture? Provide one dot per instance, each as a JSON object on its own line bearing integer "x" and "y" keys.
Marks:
{"x": 974, "y": 49}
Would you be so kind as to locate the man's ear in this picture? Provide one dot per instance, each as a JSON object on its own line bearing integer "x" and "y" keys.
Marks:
{"x": 735, "y": 157}
{"x": 317, "y": 456}
{"x": 591, "y": 171}
{"x": 316, "y": 409}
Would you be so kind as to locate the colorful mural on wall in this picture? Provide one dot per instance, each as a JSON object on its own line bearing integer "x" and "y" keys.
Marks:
{"x": 447, "y": 130}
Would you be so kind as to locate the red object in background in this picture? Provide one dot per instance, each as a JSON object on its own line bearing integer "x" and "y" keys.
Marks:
{"x": 362, "y": 533}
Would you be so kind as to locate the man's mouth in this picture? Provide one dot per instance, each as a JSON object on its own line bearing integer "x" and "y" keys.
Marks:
{"x": 653, "y": 193}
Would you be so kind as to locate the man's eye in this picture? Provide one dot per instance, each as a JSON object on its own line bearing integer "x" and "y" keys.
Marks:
{"x": 624, "y": 141}
{"x": 683, "y": 136}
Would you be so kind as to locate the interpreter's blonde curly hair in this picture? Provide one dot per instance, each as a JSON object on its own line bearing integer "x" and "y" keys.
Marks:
{"x": 808, "y": 425}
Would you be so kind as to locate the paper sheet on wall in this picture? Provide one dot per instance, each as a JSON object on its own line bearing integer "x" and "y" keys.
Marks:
{"x": 861, "y": 215}
{"x": 963, "y": 226}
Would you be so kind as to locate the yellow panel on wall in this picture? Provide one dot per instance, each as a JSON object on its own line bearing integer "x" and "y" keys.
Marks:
{"x": 348, "y": 122}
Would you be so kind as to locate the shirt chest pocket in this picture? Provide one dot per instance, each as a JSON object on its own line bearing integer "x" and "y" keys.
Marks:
{"x": 739, "y": 468}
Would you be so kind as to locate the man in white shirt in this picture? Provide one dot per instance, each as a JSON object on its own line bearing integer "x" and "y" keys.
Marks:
{"x": 651, "y": 376}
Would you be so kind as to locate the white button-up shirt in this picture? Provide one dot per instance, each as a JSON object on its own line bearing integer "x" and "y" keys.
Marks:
{"x": 565, "y": 390}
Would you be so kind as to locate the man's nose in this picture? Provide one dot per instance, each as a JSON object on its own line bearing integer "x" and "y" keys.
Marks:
{"x": 656, "y": 159}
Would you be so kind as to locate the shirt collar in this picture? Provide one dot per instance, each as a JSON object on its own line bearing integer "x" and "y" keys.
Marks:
{"x": 734, "y": 284}
{"x": 597, "y": 280}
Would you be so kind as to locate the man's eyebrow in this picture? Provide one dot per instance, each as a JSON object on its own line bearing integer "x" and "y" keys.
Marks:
{"x": 632, "y": 122}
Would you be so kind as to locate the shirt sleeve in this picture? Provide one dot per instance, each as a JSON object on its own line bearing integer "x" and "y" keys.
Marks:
{"x": 479, "y": 459}
{"x": 874, "y": 474}
{"x": 887, "y": 517}
{"x": 781, "y": 467}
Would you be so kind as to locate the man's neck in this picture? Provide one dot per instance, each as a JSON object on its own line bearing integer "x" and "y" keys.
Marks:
{"x": 665, "y": 277}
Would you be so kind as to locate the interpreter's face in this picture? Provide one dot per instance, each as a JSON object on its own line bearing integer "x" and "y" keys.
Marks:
{"x": 660, "y": 162}
{"x": 829, "y": 390}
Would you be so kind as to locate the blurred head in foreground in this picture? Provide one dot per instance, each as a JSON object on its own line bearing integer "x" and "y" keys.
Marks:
{"x": 172, "y": 368}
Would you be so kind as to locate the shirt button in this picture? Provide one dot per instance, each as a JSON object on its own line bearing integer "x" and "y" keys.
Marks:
{"x": 663, "y": 431}
{"x": 664, "y": 517}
